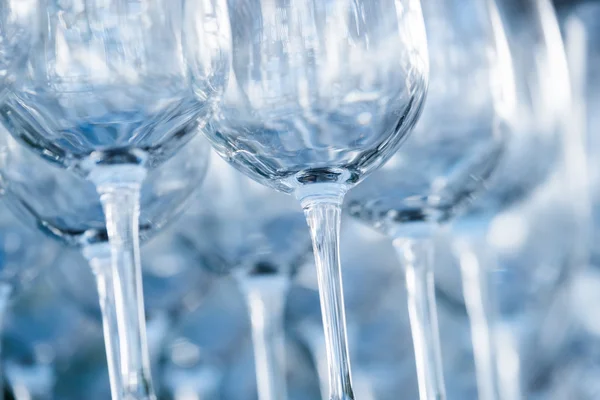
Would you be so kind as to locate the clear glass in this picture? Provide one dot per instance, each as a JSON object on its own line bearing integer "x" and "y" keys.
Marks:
{"x": 321, "y": 94}
{"x": 99, "y": 257}
{"x": 112, "y": 89}
{"x": 68, "y": 207}
{"x": 543, "y": 96}
{"x": 456, "y": 146}
{"x": 266, "y": 301}
{"x": 382, "y": 365}
{"x": 575, "y": 376}
{"x": 113, "y": 82}
{"x": 416, "y": 258}
{"x": 240, "y": 226}
{"x": 173, "y": 284}
{"x": 303, "y": 106}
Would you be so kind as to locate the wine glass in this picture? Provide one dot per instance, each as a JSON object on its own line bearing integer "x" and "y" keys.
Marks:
{"x": 66, "y": 206}
{"x": 457, "y": 144}
{"x": 260, "y": 237}
{"x": 576, "y": 371}
{"x": 322, "y": 94}
{"x": 543, "y": 97}
{"x": 113, "y": 89}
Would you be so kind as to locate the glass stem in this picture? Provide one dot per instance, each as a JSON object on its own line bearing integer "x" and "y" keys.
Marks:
{"x": 100, "y": 260}
{"x": 5, "y": 293}
{"x": 322, "y": 203}
{"x": 416, "y": 256}
{"x": 496, "y": 350}
{"x": 476, "y": 291}
{"x": 266, "y": 296}
{"x": 119, "y": 189}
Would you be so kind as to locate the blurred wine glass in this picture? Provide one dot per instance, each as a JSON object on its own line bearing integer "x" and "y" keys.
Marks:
{"x": 241, "y": 227}
{"x": 507, "y": 210}
{"x": 456, "y": 146}
{"x": 574, "y": 373}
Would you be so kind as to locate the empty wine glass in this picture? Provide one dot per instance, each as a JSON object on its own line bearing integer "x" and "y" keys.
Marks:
{"x": 242, "y": 227}
{"x": 576, "y": 370}
{"x": 322, "y": 94}
{"x": 456, "y": 146}
{"x": 537, "y": 146}
{"x": 66, "y": 206}
{"x": 113, "y": 88}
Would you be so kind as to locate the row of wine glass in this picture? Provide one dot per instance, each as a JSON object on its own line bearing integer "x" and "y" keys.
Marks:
{"x": 101, "y": 103}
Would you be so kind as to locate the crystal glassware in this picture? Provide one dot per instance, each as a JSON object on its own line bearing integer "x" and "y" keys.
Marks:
{"x": 537, "y": 146}
{"x": 573, "y": 373}
{"x": 321, "y": 94}
{"x": 111, "y": 90}
{"x": 456, "y": 146}
{"x": 66, "y": 206}
{"x": 382, "y": 364}
{"x": 241, "y": 227}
